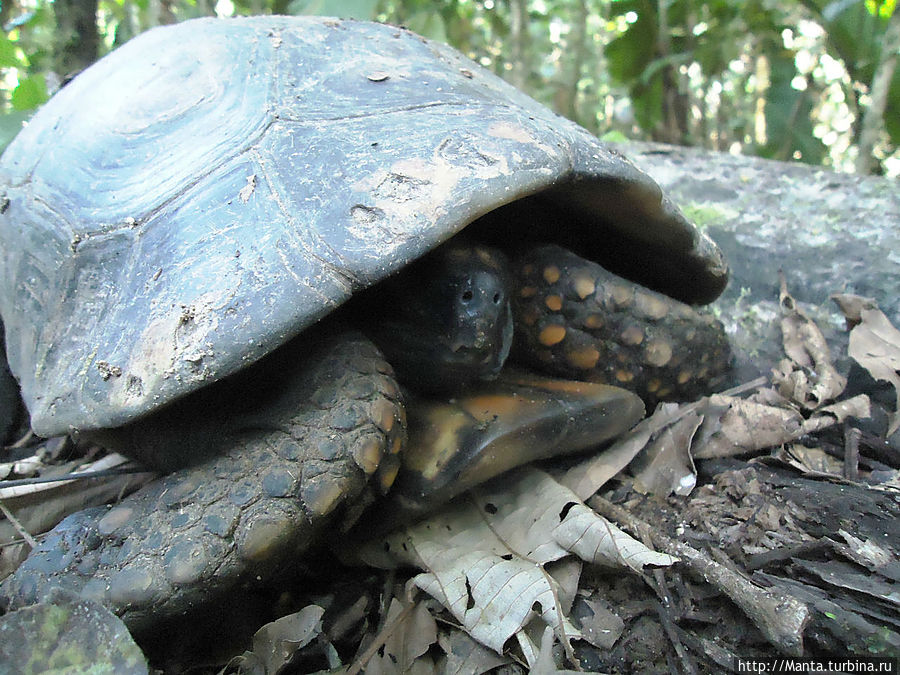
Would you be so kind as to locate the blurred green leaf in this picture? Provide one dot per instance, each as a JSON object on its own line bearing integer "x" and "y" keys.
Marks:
{"x": 428, "y": 24}
{"x": 8, "y": 56}
{"x": 30, "y": 93}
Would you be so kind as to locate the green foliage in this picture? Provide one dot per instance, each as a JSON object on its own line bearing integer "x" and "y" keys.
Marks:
{"x": 855, "y": 31}
{"x": 29, "y": 93}
{"x": 779, "y": 79}
{"x": 788, "y": 113}
{"x": 345, "y": 9}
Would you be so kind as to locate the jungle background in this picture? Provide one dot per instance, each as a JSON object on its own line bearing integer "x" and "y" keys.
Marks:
{"x": 814, "y": 81}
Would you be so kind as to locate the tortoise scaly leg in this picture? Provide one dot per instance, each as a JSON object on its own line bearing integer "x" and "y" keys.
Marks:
{"x": 575, "y": 319}
{"x": 302, "y": 464}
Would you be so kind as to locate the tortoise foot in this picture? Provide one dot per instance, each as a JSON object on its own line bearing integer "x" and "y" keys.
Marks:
{"x": 191, "y": 536}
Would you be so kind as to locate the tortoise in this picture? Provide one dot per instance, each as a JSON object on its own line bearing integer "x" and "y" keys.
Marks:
{"x": 204, "y": 231}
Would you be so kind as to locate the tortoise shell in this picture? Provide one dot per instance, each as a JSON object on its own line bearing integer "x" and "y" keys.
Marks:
{"x": 205, "y": 192}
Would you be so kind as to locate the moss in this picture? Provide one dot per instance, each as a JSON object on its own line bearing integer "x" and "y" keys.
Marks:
{"x": 704, "y": 215}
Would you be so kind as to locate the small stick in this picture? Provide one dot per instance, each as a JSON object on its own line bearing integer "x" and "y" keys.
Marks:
{"x": 25, "y": 534}
{"x": 851, "y": 452}
{"x": 780, "y": 618}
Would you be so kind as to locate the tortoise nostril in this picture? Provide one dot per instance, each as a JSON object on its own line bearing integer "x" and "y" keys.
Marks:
{"x": 497, "y": 298}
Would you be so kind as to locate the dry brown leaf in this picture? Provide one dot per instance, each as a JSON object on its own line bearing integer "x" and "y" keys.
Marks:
{"x": 858, "y": 406}
{"x": 810, "y": 379}
{"x": 874, "y": 344}
{"x": 410, "y": 633}
{"x": 599, "y": 625}
{"x": 275, "y": 643}
{"x": 810, "y": 461}
{"x": 744, "y": 425}
{"x": 588, "y": 476}
{"x": 665, "y": 466}
{"x": 465, "y": 656}
{"x": 485, "y": 555}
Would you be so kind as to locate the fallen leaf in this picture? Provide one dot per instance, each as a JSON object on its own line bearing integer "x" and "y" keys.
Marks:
{"x": 465, "y": 656}
{"x": 484, "y": 555}
{"x": 810, "y": 379}
{"x": 588, "y": 476}
{"x": 276, "y": 643}
{"x": 734, "y": 426}
{"x": 665, "y": 465}
{"x": 874, "y": 344}
{"x": 411, "y": 631}
{"x": 598, "y": 624}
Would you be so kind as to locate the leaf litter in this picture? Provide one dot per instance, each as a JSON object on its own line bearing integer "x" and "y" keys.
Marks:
{"x": 504, "y": 561}
{"x": 487, "y": 558}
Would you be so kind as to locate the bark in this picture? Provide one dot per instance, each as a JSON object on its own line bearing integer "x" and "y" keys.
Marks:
{"x": 518, "y": 29}
{"x": 674, "y": 106}
{"x": 77, "y": 40}
{"x": 578, "y": 45}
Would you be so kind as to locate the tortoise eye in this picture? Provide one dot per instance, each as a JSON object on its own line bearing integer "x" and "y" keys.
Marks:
{"x": 497, "y": 298}
{"x": 467, "y": 295}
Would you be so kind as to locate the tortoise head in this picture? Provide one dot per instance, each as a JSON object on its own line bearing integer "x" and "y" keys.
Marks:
{"x": 445, "y": 322}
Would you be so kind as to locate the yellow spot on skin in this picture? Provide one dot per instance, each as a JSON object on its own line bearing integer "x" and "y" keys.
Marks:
{"x": 621, "y": 295}
{"x": 593, "y": 321}
{"x": 585, "y": 358}
{"x": 527, "y": 292}
{"x": 553, "y": 302}
{"x": 551, "y": 335}
{"x": 684, "y": 376}
{"x": 397, "y": 445}
{"x": 650, "y": 306}
{"x": 551, "y": 274}
{"x": 528, "y": 318}
{"x": 653, "y": 385}
{"x": 624, "y": 376}
{"x": 583, "y": 284}
{"x": 632, "y": 336}
{"x": 657, "y": 353}
{"x": 486, "y": 257}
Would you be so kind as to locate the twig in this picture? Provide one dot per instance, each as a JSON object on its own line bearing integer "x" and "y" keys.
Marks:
{"x": 687, "y": 663}
{"x": 780, "y": 618}
{"x": 851, "y": 452}
{"x": 84, "y": 475}
{"x": 26, "y": 535}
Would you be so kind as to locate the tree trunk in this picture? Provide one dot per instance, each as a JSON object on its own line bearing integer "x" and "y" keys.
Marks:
{"x": 578, "y": 45}
{"x": 77, "y": 39}
{"x": 518, "y": 33}
{"x": 674, "y": 106}
{"x": 873, "y": 121}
